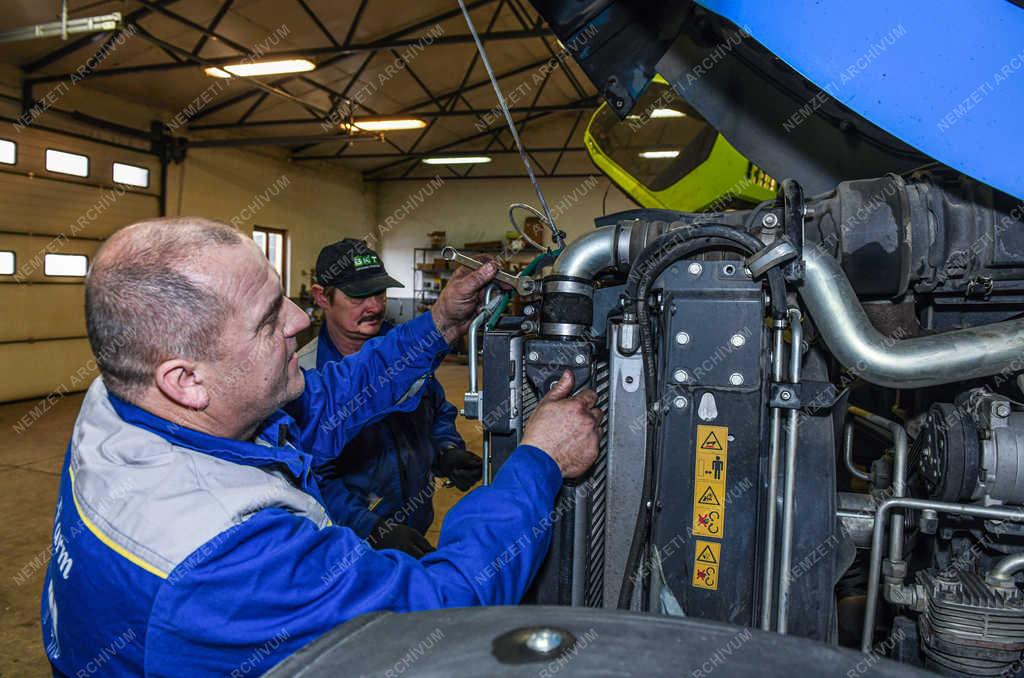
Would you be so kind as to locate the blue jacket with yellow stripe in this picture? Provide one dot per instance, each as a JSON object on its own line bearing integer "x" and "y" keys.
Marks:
{"x": 180, "y": 553}
{"x": 387, "y": 469}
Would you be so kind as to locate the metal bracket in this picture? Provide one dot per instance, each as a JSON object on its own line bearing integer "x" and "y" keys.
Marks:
{"x": 810, "y": 395}
{"x": 777, "y": 253}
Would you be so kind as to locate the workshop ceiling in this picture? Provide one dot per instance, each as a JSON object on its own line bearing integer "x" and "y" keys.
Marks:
{"x": 386, "y": 58}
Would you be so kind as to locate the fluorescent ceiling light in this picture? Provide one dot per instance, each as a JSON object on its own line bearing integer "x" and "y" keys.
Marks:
{"x": 659, "y": 154}
{"x": 386, "y": 125}
{"x": 262, "y": 68}
{"x": 667, "y": 113}
{"x": 458, "y": 160}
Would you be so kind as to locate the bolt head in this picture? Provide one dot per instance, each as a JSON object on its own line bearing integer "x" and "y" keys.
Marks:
{"x": 695, "y": 269}
{"x": 785, "y": 395}
{"x": 769, "y": 220}
{"x": 736, "y": 379}
{"x": 680, "y": 376}
{"x": 581, "y": 359}
{"x": 533, "y": 356}
{"x": 737, "y": 340}
{"x": 682, "y": 338}
{"x": 1003, "y": 410}
{"x": 679, "y": 402}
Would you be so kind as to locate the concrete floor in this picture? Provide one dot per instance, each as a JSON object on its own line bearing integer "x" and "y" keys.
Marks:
{"x": 30, "y": 464}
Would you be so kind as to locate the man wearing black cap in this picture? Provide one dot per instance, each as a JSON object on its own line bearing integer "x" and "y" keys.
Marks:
{"x": 382, "y": 484}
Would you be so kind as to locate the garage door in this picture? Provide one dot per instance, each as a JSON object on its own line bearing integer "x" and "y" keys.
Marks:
{"x": 60, "y": 196}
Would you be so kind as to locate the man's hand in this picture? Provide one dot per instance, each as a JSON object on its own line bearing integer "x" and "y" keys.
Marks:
{"x": 566, "y": 427}
{"x": 458, "y": 301}
{"x": 464, "y": 469}
{"x": 387, "y": 534}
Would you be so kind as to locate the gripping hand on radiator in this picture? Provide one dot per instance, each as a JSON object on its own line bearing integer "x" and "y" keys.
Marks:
{"x": 566, "y": 427}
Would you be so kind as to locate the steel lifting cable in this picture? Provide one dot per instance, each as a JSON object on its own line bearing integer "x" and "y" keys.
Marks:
{"x": 558, "y": 235}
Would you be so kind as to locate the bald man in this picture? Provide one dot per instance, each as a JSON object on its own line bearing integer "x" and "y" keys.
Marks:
{"x": 190, "y": 536}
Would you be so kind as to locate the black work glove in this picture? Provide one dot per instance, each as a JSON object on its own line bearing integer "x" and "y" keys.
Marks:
{"x": 462, "y": 468}
{"x": 399, "y": 537}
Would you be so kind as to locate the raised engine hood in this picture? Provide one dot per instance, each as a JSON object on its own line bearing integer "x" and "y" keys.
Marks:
{"x": 823, "y": 91}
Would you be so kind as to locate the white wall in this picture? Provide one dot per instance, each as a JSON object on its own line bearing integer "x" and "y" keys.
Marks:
{"x": 477, "y": 210}
{"x": 316, "y": 205}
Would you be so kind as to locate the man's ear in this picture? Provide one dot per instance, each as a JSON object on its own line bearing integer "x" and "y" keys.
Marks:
{"x": 180, "y": 382}
{"x": 320, "y": 296}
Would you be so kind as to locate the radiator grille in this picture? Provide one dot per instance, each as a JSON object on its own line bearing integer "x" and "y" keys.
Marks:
{"x": 594, "y": 591}
{"x": 596, "y": 489}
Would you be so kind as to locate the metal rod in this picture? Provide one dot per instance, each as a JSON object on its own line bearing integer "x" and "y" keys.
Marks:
{"x": 900, "y": 452}
{"x": 474, "y": 327}
{"x": 485, "y": 478}
{"x": 276, "y": 141}
{"x": 768, "y": 581}
{"x": 848, "y": 454}
{"x": 789, "y": 491}
{"x": 874, "y": 576}
{"x": 490, "y": 302}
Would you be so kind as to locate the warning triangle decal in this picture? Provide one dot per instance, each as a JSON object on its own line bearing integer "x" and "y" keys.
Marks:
{"x": 707, "y": 556}
{"x": 711, "y": 443}
{"x": 709, "y": 497}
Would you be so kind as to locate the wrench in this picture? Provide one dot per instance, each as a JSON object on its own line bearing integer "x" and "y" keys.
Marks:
{"x": 522, "y": 284}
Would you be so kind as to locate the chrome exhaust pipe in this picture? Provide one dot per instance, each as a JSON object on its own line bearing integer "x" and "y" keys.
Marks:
{"x": 917, "y": 362}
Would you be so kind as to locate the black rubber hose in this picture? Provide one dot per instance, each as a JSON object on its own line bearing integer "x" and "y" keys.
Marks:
{"x": 651, "y": 263}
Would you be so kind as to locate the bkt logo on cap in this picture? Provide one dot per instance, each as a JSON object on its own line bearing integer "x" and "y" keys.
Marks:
{"x": 365, "y": 260}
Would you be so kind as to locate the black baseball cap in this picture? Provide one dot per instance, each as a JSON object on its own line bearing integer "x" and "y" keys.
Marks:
{"x": 352, "y": 267}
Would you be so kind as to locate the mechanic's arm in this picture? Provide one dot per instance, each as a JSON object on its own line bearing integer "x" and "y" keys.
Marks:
{"x": 345, "y": 507}
{"x": 387, "y": 374}
{"x": 278, "y": 578}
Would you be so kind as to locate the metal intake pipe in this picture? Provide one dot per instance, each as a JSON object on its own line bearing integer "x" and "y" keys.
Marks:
{"x": 585, "y": 257}
{"x": 900, "y": 363}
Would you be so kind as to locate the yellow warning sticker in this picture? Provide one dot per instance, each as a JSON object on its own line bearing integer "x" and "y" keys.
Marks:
{"x": 711, "y": 467}
{"x": 707, "y": 559}
{"x": 713, "y": 438}
{"x": 709, "y": 475}
{"x": 708, "y": 522}
{"x": 709, "y": 497}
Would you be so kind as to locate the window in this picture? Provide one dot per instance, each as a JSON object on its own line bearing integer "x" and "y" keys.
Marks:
{"x": 274, "y": 243}
{"x": 63, "y": 162}
{"x": 131, "y": 175}
{"x": 65, "y": 264}
{"x": 8, "y": 152}
{"x": 6, "y": 262}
